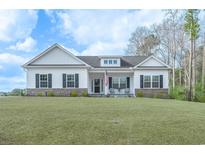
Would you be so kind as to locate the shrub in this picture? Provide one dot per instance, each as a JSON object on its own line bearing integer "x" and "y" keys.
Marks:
{"x": 178, "y": 93}
{"x": 39, "y": 94}
{"x": 50, "y": 93}
{"x": 73, "y": 93}
{"x": 200, "y": 96}
{"x": 84, "y": 93}
{"x": 139, "y": 94}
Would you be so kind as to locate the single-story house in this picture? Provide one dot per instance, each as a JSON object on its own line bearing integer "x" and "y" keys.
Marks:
{"x": 58, "y": 71}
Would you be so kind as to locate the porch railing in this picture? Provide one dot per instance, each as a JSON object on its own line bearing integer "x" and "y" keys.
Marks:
{"x": 119, "y": 91}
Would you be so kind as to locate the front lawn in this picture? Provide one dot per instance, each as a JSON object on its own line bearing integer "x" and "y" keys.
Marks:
{"x": 64, "y": 120}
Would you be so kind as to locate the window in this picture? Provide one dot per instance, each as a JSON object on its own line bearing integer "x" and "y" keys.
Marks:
{"x": 119, "y": 82}
{"x": 155, "y": 81}
{"x": 110, "y": 62}
{"x": 123, "y": 82}
{"x": 105, "y": 61}
{"x": 43, "y": 80}
{"x": 70, "y": 80}
{"x": 147, "y": 81}
{"x": 114, "y": 61}
{"x": 152, "y": 81}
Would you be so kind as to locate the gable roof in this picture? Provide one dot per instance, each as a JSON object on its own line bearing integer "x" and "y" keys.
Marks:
{"x": 139, "y": 65}
{"x": 95, "y": 61}
{"x": 126, "y": 61}
{"x": 50, "y": 49}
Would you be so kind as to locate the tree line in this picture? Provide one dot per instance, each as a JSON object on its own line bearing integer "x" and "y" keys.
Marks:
{"x": 179, "y": 41}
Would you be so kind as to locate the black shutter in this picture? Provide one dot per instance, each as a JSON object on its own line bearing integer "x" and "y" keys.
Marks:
{"x": 37, "y": 80}
{"x": 128, "y": 82}
{"x": 92, "y": 85}
{"x": 110, "y": 82}
{"x": 49, "y": 80}
{"x": 161, "y": 81}
{"x": 76, "y": 80}
{"x": 141, "y": 81}
{"x": 64, "y": 80}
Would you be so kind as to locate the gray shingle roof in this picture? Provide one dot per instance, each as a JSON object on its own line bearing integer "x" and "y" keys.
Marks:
{"x": 126, "y": 61}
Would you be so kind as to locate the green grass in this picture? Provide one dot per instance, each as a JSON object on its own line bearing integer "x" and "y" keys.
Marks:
{"x": 64, "y": 120}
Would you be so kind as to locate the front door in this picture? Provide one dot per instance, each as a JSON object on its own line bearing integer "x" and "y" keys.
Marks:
{"x": 97, "y": 86}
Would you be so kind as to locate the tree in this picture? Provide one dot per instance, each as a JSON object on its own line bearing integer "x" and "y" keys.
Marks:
{"x": 16, "y": 92}
{"x": 173, "y": 17}
{"x": 172, "y": 40}
{"x": 191, "y": 26}
{"x": 142, "y": 42}
{"x": 203, "y": 68}
{"x": 162, "y": 32}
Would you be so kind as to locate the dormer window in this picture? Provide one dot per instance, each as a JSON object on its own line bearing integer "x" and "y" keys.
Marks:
{"x": 105, "y": 62}
{"x": 114, "y": 61}
{"x": 110, "y": 62}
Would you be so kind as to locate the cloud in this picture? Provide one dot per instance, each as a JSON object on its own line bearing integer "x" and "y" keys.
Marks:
{"x": 103, "y": 29}
{"x": 51, "y": 14}
{"x": 12, "y": 59}
{"x": 17, "y": 24}
{"x": 101, "y": 48}
{"x": 9, "y": 83}
{"x": 27, "y": 45}
{"x": 1, "y": 67}
{"x": 73, "y": 51}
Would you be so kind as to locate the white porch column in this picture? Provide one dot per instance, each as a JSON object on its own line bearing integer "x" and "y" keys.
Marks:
{"x": 106, "y": 82}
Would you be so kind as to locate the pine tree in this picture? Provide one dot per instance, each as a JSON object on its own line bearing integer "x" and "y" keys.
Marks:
{"x": 192, "y": 27}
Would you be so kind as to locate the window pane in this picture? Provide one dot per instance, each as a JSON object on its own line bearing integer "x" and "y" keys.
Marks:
{"x": 147, "y": 81}
{"x": 155, "y": 78}
{"x": 155, "y": 81}
{"x": 43, "y": 81}
{"x": 147, "y": 78}
{"x": 70, "y": 80}
{"x": 147, "y": 84}
{"x": 110, "y": 61}
{"x": 155, "y": 84}
{"x": 105, "y": 61}
{"x": 115, "y": 83}
{"x": 123, "y": 82}
{"x": 115, "y": 61}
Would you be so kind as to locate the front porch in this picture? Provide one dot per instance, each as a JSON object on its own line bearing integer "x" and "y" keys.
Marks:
{"x": 110, "y": 83}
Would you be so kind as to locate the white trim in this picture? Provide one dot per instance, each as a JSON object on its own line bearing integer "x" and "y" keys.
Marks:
{"x": 67, "y": 80}
{"x": 150, "y": 76}
{"x": 40, "y": 82}
{"x": 151, "y": 68}
{"x": 48, "y": 50}
{"x": 152, "y": 56}
{"x": 151, "y": 80}
{"x": 113, "y": 71}
{"x": 57, "y": 67}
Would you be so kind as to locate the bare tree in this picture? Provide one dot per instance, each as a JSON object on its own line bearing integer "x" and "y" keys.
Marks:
{"x": 173, "y": 17}
{"x": 182, "y": 50}
{"x": 142, "y": 42}
{"x": 162, "y": 32}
